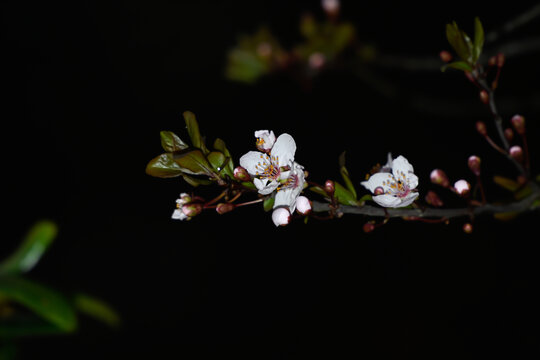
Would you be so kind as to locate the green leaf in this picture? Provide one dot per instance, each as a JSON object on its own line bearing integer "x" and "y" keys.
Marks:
{"x": 44, "y": 302}
{"x": 459, "y": 65}
{"x": 220, "y": 146}
{"x": 193, "y": 181}
{"x": 96, "y": 309}
{"x": 345, "y": 175}
{"x": 248, "y": 185}
{"x": 8, "y": 350}
{"x": 523, "y": 193}
{"x": 27, "y": 327}
{"x": 367, "y": 197}
{"x": 171, "y": 142}
{"x": 217, "y": 160}
{"x": 459, "y": 41}
{"x": 163, "y": 166}
{"x": 193, "y": 163}
{"x": 193, "y": 129}
{"x": 344, "y": 196}
{"x": 318, "y": 190}
{"x": 268, "y": 203}
{"x": 34, "y": 245}
{"x": 506, "y": 183}
{"x": 478, "y": 39}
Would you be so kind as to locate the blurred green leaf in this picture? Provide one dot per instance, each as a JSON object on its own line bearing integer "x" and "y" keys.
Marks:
{"x": 367, "y": 197}
{"x": 249, "y": 185}
{"x": 34, "y": 245}
{"x": 458, "y": 65}
{"x": 193, "y": 129}
{"x": 220, "y": 146}
{"x": 96, "y": 309}
{"x": 171, "y": 142}
{"x": 318, "y": 190}
{"x": 193, "y": 163}
{"x": 28, "y": 327}
{"x": 506, "y": 183}
{"x": 478, "y": 39}
{"x": 163, "y": 166}
{"x": 506, "y": 216}
{"x": 8, "y": 350}
{"x": 268, "y": 203}
{"x": 538, "y": 178}
{"x": 308, "y": 26}
{"x": 44, "y": 302}
{"x": 344, "y": 196}
{"x": 459, "y": 41}
{"x": 345, "y": 175}
{"x": 523, "y": 193}
{"x": 244, "y": 66}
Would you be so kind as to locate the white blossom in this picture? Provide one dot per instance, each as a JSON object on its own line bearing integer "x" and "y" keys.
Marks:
{"x": 265, "y": 140}
{"x": 289, "y": 190}
{"x": 178, "y": 214}
{"x": 395, "y": 185}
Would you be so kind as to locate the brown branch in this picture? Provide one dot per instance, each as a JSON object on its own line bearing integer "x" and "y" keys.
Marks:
{"x": 375, "y": 211}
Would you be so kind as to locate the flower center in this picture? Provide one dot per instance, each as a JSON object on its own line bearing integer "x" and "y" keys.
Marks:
{"x": 259, "y": 141}
{"x": 268, "y": 168}
{"x": 292, "y": 182}
{"x": 399, "y": 187}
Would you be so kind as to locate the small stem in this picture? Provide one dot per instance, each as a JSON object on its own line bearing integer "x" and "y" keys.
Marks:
{"x": 235, "y": 197}
{"x": 250, "y": 202}
{"x": 494, "y": 145}
{"x": 481, "y": 187}
{"x": 216, "y": 198}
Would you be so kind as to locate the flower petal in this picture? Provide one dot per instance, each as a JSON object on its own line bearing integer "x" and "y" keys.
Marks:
{"x": 409, "y": 199}
{"x": 412, "y": 180}
{"x": 251, "y": 160}
{"x": 387, "y": 200}
{"x": 401, "y": 165}
{"x": 286, "y": 197}
{"x": 265, "y": 186}
{"x": 284, "y": 149}
{"x": 376, "y": 180}
{"x": 281, "y": 216}
{"x": 267, "y": 139}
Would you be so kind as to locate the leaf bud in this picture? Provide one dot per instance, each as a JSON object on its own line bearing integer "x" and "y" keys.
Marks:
{"x": 445, "y": 56}
{"x": 223, "y": 208}
{"x": 481, "y": 128}
{"x": 368, "y": 227}
{"x": 241, "y": 174}
{"x": 509, "y": 134}
{"x": 462, "y": 187}
{"x": 484, "y": 97}
{"x": 516, "y": 152}
{"x": 433, "y": 199}
{"x": 281, "y": 216}
{"x": 439, "y": 177}
{"x": 518, "y": 122}
{"x": 474, "y": 164}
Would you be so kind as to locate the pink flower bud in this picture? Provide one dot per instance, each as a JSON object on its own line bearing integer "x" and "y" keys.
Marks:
{"x": 518, "y": 122}
{"x": 516, "y": 152}
{"x": 281, "y": 216}
{"x": 462, "y": 187}
{"x": 192, "y": 209}
{"x": 433, "y": 199}
{"x": 223, "y": 208}
{"x": 445, "y": 56}
{"x": 474, "y": 164}
{"x": 467, "y": 228}
{"x": 303, "y": 205}
{"x": 492, "y": 61}
{"x": 379, "y": 190}
{"x": 481, "y": 128}
{"x": 484, "y": 96}
{"x": 368, "y": 227}
{"x": 241, "y": 174}
{"x": 316, "y": 60}
{"x": 509, "y": 134}
{"x": 439, "y": 177}
{"x": 329, "y": 186}
{"x": 331, "y": 7}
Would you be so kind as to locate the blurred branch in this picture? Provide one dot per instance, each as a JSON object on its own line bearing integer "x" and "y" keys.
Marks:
{"x": 515, "y": 23}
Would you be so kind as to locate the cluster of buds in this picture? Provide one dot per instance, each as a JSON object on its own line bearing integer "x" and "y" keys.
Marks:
{"x": 186, "y": 208}
{"x": 461, "y": 187}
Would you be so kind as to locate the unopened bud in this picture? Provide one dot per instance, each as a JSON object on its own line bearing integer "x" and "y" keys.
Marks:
{"x": 462, "y": 187}
{"x": 484, "y": 96}
{"x": 445, "y": 56}
{"x": 368, "y": 227}
{"x": 500, "y": 59}
{"x": 223, "y": 208}
{"x": 329, "y": 186}
{"x": 316, "y": 60}
{"x": 303, "y": 205}
{"x": 439, "y": 177}
{"x": 331, "y": 7}
{"x": 474, "y": 164}
{"x": 241, "y": 174}
{"x": 492, "y": 61}
{"x": 509, "y": 134}
{"x": 281, "y": 216}
{"x": 518, "y": 122}
{"x": 481, "y": 128}
{"x": 470, "y": 76}
{"x": 433, "y": 199}
{"x": 516, "y": 152}
{"x": 467, "y": 228}
{"x": 192, "y": 209}
{"x": 522, "y": 180}
{"x": 379, "y": 190}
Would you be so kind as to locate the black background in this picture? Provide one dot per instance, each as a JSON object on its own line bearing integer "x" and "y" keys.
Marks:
{"x": 90, "y": 85}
